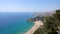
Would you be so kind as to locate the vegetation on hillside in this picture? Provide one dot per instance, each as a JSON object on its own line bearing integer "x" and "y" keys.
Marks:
{"x": 51, "y": 24}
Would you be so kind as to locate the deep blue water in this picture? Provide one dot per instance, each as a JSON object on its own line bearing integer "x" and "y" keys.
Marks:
{"x": 15, "y": 22}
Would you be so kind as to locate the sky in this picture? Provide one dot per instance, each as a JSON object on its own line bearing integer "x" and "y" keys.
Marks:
{"x": 29, "y": 5}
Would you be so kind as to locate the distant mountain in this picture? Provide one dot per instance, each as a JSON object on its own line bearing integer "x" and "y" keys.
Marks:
{"x": 43, "y": 13}
{"x": 39, "y": 16}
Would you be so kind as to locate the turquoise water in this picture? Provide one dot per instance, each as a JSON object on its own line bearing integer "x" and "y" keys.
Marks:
{"x": 15, "y": 22}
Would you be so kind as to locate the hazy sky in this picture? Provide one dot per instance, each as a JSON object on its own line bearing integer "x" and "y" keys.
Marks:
{"x": 29, "y": 5}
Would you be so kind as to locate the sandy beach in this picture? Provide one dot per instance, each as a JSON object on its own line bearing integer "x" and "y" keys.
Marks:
{"x": 35, "y": 27}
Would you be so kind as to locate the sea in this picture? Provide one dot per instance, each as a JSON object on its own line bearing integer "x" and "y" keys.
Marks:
{"x": 15, "y": 22}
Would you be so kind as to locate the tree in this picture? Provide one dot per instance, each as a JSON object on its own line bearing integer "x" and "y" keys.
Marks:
{"x": 52, "y": 23}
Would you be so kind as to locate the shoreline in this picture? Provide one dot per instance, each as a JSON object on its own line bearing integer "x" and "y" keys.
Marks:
{"x": 35, "y": 27}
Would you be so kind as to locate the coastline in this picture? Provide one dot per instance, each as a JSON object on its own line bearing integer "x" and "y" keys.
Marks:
{"x": 35, "y": 27}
